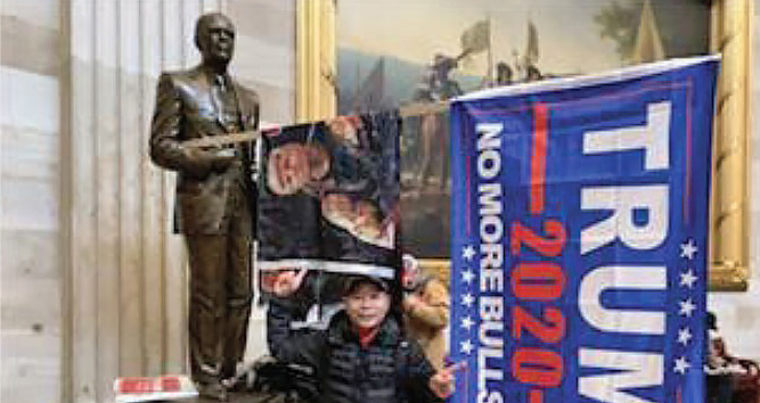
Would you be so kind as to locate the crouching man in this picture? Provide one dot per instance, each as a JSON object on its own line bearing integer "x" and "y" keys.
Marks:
{"x": 362, "y": 356}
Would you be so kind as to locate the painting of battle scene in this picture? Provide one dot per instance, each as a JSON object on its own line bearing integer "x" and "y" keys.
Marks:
{"x": 401, "y": 53}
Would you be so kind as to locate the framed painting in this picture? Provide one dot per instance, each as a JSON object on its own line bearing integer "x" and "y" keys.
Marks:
{"x": 360, "y": 55}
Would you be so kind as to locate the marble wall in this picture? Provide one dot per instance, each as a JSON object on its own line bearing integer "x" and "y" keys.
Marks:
{"x": 265, "y": 55}
{"x": 31, "y": 327}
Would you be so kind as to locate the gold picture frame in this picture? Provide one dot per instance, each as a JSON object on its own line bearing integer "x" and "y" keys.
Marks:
{"x": 315, "y": 60}
{"x": 730, "y": 35}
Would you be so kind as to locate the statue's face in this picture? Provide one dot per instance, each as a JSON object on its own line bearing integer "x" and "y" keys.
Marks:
{"x": 216, "y": 39}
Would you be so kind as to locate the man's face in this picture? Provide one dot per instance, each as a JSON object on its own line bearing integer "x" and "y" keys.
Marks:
{"x": 409, "y": 275}
{"x": 367, "y": 305}
{"x": 288, "y": 168}
{"x": 216, "y": 39}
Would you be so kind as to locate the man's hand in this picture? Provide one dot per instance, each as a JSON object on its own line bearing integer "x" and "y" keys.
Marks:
{"x": 288, "y": 282}
{"x": 442, "y": 383}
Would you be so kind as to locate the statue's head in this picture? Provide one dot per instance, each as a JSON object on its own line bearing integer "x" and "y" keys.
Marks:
{"x": 215, "y": 38}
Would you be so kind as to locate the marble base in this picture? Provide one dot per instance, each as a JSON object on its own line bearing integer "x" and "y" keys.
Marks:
{"x": 235, "y": 397}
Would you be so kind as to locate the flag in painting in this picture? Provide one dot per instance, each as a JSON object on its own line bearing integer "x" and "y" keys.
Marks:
{"x": 579, "y": 237}
{"x": 476, "y": 38}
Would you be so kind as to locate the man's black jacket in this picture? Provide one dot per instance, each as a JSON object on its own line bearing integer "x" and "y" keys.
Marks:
{"x": 390, "y": 370}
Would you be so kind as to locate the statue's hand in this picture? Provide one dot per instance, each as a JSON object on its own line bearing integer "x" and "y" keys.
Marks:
{"x": 202, "y": 162}
{"x": 288, "y": 282}
{"x": 222, "y": 159}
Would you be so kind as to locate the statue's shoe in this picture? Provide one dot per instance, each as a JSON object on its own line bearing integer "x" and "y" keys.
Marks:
{"x": 213, "y": 391}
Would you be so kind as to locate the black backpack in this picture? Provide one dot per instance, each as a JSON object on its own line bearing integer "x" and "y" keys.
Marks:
{"x": 277, "y": 382}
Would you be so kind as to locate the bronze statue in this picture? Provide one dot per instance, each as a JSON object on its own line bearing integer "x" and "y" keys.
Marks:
{"x": 214, "y": 202}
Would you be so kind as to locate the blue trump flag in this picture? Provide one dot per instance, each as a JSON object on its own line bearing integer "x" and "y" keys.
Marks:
{"x": 579, "y": 237}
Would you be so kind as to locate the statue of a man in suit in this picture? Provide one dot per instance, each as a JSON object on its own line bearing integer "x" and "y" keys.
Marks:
{"x": 215, "y": 198}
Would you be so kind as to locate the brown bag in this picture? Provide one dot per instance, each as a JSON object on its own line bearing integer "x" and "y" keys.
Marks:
{"x": 747, "y": 386}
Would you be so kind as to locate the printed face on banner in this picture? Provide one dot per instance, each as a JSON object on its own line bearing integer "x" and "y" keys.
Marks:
{"x": 580, "y": 239}
{"x": 330, "y": 196}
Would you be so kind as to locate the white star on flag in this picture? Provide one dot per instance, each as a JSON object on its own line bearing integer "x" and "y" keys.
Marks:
{"x": 468, "y": 276}
{"x": 688, "y": 278}
{"x": 688, "y": 249}
{"x": 687, "y": 308}
{"x": 467, "y": 322}
{"x": 684, "y": 335}
{"x": 468, "y": 299}
{"x": 466, "y": 346}
{"x": 468, "y": 252}
{"x": 681, "y": 365}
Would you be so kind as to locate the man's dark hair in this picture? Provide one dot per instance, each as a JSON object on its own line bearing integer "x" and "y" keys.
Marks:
{"x": 352, "y": 283}
{"x": 712, "y": 321}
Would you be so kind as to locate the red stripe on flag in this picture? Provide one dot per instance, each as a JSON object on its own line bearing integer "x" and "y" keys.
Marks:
{"x": 538, "y": 158}
{"x": 687, "y": 192}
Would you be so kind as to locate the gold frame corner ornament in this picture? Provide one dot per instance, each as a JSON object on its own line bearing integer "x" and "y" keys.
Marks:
{"x": 730, "y": 34}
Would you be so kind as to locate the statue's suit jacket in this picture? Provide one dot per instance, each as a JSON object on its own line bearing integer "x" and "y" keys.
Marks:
{"x": 185, "y": 110}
